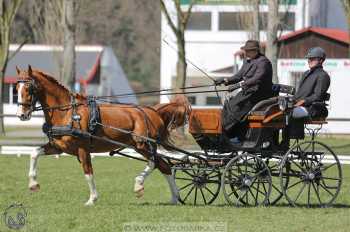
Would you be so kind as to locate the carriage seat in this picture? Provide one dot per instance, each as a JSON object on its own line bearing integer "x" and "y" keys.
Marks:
{"x": 320, "y": 118}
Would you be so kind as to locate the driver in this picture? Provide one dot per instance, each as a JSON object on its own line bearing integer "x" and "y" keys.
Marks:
{"x": 255, "y": 78}
{"x": 313, "y": 87}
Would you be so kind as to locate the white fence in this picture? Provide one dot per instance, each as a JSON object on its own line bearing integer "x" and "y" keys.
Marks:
{"x": 27, "y": 150}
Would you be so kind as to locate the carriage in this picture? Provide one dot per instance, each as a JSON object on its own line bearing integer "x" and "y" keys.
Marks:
{"x": 274, "y": 159}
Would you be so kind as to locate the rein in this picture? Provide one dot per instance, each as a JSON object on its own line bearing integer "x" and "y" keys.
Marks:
{"x": 154, "y": 91}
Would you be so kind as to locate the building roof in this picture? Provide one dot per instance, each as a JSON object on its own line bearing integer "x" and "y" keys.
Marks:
{"x": 332, "y": 33}
{"x": 48, "y": 59}
{"x": 97, "y": 68}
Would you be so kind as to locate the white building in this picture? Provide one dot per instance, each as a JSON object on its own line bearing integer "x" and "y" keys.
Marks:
{"x": 214, "y": 36}
{"x": 214, "y": 33}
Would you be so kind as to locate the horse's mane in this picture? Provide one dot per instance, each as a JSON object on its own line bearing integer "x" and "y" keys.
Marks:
{"x": 55, "y": 81}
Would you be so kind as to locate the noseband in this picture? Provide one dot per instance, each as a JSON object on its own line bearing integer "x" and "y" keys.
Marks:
{"x": 32, "y": 93}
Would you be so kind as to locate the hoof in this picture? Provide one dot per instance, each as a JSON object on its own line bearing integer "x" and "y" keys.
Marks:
{"x": 139, "y": 189}
{"x": 174, "y": 202}
{"x": 34, "y": 188}
{"x": 91, "y": 202}
{"x": 140, "y": 192}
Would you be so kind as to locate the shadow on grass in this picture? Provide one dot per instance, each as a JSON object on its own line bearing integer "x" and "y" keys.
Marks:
{"x": 284, "y": 205}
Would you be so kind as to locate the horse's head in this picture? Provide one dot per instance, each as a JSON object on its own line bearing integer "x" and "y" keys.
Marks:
{"x": 27, "y": 94}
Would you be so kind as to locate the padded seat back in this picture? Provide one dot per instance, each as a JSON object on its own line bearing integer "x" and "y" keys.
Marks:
{"x": 205, "y": 121}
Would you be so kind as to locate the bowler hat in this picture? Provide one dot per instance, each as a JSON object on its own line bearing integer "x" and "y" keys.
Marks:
{"x": 251, "y": 45}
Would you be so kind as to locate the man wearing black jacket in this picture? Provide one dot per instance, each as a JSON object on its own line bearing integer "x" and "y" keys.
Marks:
{"x": 313, "y": 87}
{"x": 255, "y": 78}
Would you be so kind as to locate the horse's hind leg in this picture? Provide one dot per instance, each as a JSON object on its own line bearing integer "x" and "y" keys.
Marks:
{"x": 85, "y": 159}
{"x": 173, "y": 188}
{"x": 47, "y": 149}
{"x": 166, "y": 170}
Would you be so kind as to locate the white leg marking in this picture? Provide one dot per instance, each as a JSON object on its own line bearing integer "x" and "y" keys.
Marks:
{"x": 140, "y": 179}
{"x": 19, "y": 100}
{"x": 33, "y": 184}
{"x": 93, "y": 192}
{"x": 173, "y": 189}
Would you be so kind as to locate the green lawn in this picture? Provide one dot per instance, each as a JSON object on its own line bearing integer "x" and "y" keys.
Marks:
{"x": 59, "y": 204}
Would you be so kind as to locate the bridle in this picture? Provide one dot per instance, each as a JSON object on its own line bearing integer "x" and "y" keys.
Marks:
{"x": 32, "y": 93}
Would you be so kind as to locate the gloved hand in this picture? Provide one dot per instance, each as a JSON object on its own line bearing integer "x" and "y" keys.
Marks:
{"x": 220, "y": 81}
{"x": 236, "y": 86}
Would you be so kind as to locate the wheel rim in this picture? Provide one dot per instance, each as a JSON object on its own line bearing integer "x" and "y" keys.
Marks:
{"x": 246, "y": 181}
{"x": 197, "y": 185}
{"x": 314, "y": 172}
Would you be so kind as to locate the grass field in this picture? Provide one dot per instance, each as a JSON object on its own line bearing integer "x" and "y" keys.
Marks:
{"x": 59, "y": 204}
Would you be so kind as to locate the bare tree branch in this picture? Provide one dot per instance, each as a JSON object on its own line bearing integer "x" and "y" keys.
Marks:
{"x": 17, "y": 50}
{"x": 189, "y": 11}
{"x": 166, "y": 13}
{"x": 8, "y": 11}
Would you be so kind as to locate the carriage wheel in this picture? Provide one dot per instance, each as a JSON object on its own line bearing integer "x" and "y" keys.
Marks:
{"x": 246, "y": 181}
{"x": 197, "y": 185}
{"x": 276, "y": 191}
{"x": 314, "y": 172}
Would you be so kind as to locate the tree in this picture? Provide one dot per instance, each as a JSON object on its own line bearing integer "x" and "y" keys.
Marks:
{"x": 273, "y": 23}
{"x": 68, "y": 22}
{"x": 8, "y": 11}
{"x": 255, "y": 29}
{"x": 53, "y": 22}
{"x": 346, "y": 4}
{"x": 178, "y": 28}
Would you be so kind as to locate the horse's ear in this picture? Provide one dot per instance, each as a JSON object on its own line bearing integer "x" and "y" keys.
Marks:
{"x": 30, "y": 71}
{"x": 18, "y": 70}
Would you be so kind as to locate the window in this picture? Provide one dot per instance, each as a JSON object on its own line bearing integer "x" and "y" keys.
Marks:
{"x": 230, "y": 21}
{"x": 14, "y": 94}
{"x": 192, "y": 100}
{"x": 213, "y": 101}
{"x": 287, "y": 20}
{"x": 6, "y": 93}
{"x": 199, "y": 21}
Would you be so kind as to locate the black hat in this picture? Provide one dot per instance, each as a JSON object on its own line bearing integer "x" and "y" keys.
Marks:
{"x": 251, "y": 45}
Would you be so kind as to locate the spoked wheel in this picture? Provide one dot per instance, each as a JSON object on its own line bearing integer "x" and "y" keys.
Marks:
{"x": 276, "y": 191}
{"x": 246, "y": 181}
{"x": 197, "y": 184}
{"x": 314, "y": 172}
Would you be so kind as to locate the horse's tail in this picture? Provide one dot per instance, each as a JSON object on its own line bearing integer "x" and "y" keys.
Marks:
{"x": 174, "y": 114}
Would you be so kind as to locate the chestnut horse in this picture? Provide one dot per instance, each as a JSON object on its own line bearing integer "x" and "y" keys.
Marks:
{"x": 127, "y": 124}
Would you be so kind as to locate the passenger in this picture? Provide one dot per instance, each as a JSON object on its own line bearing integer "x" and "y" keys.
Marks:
{"x": 313, "y": 87}
{"x": 255, "y": 78}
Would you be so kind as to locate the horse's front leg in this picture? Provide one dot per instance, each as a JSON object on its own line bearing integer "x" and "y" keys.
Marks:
{"x": 47, "y": 149}
{"x": 85, "y": 159}
{"x": 140, "y": 179}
